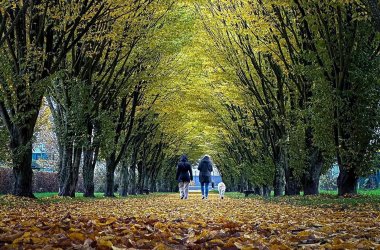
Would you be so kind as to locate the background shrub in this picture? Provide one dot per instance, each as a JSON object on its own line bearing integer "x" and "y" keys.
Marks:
{"x": 42, "y": 181}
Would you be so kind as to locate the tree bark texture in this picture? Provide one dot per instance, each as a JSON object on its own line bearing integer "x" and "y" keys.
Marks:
{"x": 266, "y": 191}
{"x": 88, "y": 180}
{"x": 70, "y": 171}
{"x": 292, "y": 182}
{"x": 124, "y": 179}
{"x": 132, "y": 180}
{"x": 313, "y": 172}
{"x": 140, "y": 178}
{"x": 110, "y": 176}
{"x": 21, "y": 148}
{"x": 279, "y": 174}
{"x": 347, "y": 181}
{"x": 88, "y": 172}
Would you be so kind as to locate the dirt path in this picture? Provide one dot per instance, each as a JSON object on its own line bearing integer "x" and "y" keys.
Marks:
{"x": 166, "y": 222}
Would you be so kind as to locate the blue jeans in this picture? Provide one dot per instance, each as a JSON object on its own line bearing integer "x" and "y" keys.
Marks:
{"x": 204, "y": 188}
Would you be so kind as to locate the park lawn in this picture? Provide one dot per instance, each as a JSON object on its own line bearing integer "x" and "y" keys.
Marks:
{"x": 80, "y": 195}
{"x": 358, "y": 202}
{"x": 52, "y": 194}
{"x": 366, "y": 199}
{"x": 163, "y": 221}
{"x": 361, "y": 191}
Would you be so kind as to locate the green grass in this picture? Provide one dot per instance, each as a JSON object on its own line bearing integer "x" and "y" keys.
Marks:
{"x": 97, "y": 195}
{"x": 77, "y": 195}
{"x": 52, "y": 197}
{"x": 370, "y": 192}
{"x": 237, "y": 195}
{"x": 327, "y": 199}
{"x": 374, "y": 192}
{"x": 215, "y": 191}
{"x": 360, "y": 191}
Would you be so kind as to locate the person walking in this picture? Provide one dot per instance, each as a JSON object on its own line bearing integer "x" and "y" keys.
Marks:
{"x": 205, "y": 169}
{"x": 184, "y": 176}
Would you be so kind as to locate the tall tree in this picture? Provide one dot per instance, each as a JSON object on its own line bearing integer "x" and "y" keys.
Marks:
{"x": 35, "y": 37}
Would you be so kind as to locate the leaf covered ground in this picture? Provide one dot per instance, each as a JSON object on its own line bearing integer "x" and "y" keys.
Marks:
{"x": 166, "y": 222}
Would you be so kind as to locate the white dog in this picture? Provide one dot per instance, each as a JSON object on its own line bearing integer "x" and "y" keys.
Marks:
{"x": 221, "y": 189}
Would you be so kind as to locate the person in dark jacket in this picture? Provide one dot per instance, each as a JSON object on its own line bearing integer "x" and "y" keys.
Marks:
{"x": 184, "y": 176}
{"x": 205, "y": 169}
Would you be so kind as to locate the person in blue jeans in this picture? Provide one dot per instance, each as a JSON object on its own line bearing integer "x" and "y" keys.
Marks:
{"x": 205, "y": 169}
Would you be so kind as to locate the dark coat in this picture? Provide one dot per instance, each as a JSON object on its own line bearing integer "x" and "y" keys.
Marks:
{"x": 184, "y": 171}
{"x": 205, "y": 169}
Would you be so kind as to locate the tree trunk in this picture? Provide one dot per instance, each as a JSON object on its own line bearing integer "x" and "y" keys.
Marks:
{"x": 292, "y": 182}
{"x": 132, "y": 170}
{"x": 152, "y": 186}
{"x": 258, "y": 190}
{"x": 347, "y": 181}
{"x": 313, "y": 173}
{"x": 153, "y": 180}
{"x": 146, "y": 181}
{"x": 70, "y": 171}
{"x": 21, "y": 148}
{"x": 89, "y": 161}
{"x": 62, "y": 156}
{"x": 90, "y": 157}
{"x": 310, "y": 185}
{"x": 140, "y": 177}
{"x": 124, "y": 179}
{"x": 279, "y": 177}
{"x": 110, "y": 181}
{"x": 133, "y": 178}
{"x": 292, "y": 186}
{"x": 65, "y": 173}
{"x": 88, "y": 174}
{"x": 110, "y": 176}
{"x": 266, "y": 191}
{"x": 315, "y": 162}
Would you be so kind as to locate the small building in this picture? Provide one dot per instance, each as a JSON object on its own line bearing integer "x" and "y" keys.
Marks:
{"x": 39, "y": 152}
{"x": 41, "y": 159}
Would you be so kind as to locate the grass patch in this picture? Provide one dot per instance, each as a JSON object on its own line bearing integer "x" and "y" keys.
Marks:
{"x": 237, "y": 195}
{"x": 97, "y": 195}
{"x": 215, "y": 191}
{"x": 360, "y": 191}
{"x": 370, "y": 192}
{"x": 366, "y": 199}
{"x": 52, "y": 197}
{"x": 328, "y": 200}
{"x": 77, "y": 195}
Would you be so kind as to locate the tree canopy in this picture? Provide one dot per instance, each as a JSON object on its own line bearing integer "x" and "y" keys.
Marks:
{"x": 274, "y": 91}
